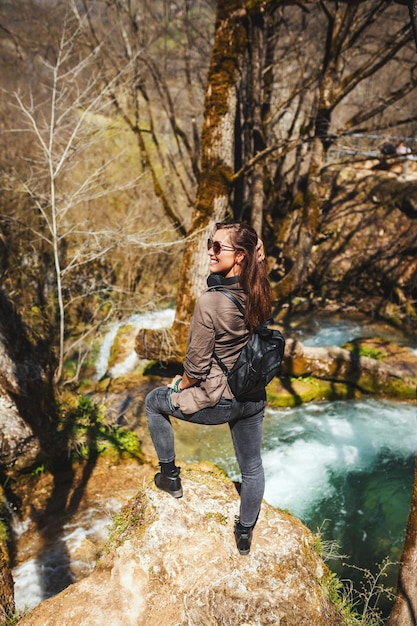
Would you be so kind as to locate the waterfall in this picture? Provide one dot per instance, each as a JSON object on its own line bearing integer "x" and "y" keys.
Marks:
{"x": 152, "y": 319}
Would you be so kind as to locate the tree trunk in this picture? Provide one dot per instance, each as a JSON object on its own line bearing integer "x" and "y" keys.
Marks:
{"x": 412, "y": 9}
{"x": 404, "y": 612}
{"x": 256, "y": 67}
{"x": 217, "y": 167}
{"x": 217, "y": 159}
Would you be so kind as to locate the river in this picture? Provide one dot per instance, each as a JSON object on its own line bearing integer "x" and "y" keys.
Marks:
{"x": 345, "y": 468}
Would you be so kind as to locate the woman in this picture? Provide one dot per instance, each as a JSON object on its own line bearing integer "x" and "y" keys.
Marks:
{"x": 202, "y": 395}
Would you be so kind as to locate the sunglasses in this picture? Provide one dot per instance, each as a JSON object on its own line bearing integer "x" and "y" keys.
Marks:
{"x": 218, "y": 247}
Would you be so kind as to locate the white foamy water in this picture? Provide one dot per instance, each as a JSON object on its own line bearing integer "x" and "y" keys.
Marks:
{"x": 330, "y": 334}
{"x": 65, "y": 560}
{"x": 152, "y": 320}
{"x": 308, "y": 446}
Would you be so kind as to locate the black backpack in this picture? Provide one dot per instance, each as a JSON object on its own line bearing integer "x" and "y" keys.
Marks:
{"x": 259, "y": 361}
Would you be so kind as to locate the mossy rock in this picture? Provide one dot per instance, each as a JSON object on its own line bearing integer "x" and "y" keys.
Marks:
{"x": 296, "y": 391}
{"x": 386, "y": 351}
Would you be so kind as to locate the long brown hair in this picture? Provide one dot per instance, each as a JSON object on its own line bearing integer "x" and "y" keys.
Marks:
{"x": 253, "y": 276}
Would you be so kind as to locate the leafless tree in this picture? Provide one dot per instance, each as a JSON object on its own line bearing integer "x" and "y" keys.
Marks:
{"x": 153, "y": 61}
{"x": 64, "y": 174}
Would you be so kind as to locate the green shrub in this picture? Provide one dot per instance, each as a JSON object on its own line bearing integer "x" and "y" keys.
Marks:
{"x": 356, "y": 607}
{"x": 84, "y": 433}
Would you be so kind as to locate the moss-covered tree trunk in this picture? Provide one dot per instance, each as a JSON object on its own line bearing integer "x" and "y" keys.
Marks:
{"x": 238, "y": 51}
{"x": 404, "y": 612}
{"x": 217, "y": 156}
{"x": 218, "y": 160}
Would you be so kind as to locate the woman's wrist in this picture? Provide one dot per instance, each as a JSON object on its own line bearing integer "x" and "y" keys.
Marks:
{"x": 176, "y": 385}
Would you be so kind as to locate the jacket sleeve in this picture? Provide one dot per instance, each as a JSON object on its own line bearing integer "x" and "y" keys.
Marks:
{"x": 201, "y": 338}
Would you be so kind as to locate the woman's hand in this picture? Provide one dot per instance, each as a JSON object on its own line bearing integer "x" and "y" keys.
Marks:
{"x": 179, "y": 383}
{"x": 260, "y": 250}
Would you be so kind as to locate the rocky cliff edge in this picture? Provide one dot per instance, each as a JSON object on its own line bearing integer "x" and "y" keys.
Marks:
{"x": 173, "y": 562}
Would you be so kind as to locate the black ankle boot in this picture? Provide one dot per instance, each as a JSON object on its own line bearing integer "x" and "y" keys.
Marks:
{"x": 243, "y": 536}
{"x": 169, "y": 483}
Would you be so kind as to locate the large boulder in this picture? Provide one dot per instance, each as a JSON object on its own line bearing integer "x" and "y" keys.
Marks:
{"x": 175, "y": 562}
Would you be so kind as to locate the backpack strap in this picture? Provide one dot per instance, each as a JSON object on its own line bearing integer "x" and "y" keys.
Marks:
{"x": 231, "y": 297}
{"x": 241, "y": 309}
{"x": 222, "y": 365}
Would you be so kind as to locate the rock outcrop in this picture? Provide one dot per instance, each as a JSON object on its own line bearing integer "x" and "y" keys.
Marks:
{"x": 175, "y": 562}
{"x": 24, "y": 395}
{"x": 332, "y": 372}
{"x": 365, "y": 366}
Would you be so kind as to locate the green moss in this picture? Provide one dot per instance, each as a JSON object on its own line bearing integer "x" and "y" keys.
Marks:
{"x": 132, "y": 520}
{"x": 371, "y": 353}
{"x": 397, "y": 389}
{"x": 83, "y": 432}
{"x": 218, "y": 517}
{"x": 218, "y": 182}
{"x": 296, "y": 391}
{"x": 289, "y": 392}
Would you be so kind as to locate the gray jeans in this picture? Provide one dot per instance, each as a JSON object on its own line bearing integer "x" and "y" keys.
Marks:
{"x": 245, "y": 423}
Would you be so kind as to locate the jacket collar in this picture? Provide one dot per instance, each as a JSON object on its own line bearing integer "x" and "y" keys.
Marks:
{"x": 218, "y": 279}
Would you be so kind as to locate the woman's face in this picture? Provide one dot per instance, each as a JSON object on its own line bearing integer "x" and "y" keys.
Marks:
{"x": 224, "y": 258}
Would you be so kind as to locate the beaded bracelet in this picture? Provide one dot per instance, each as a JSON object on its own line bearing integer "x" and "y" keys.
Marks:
{"x": 175, "y": 387}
